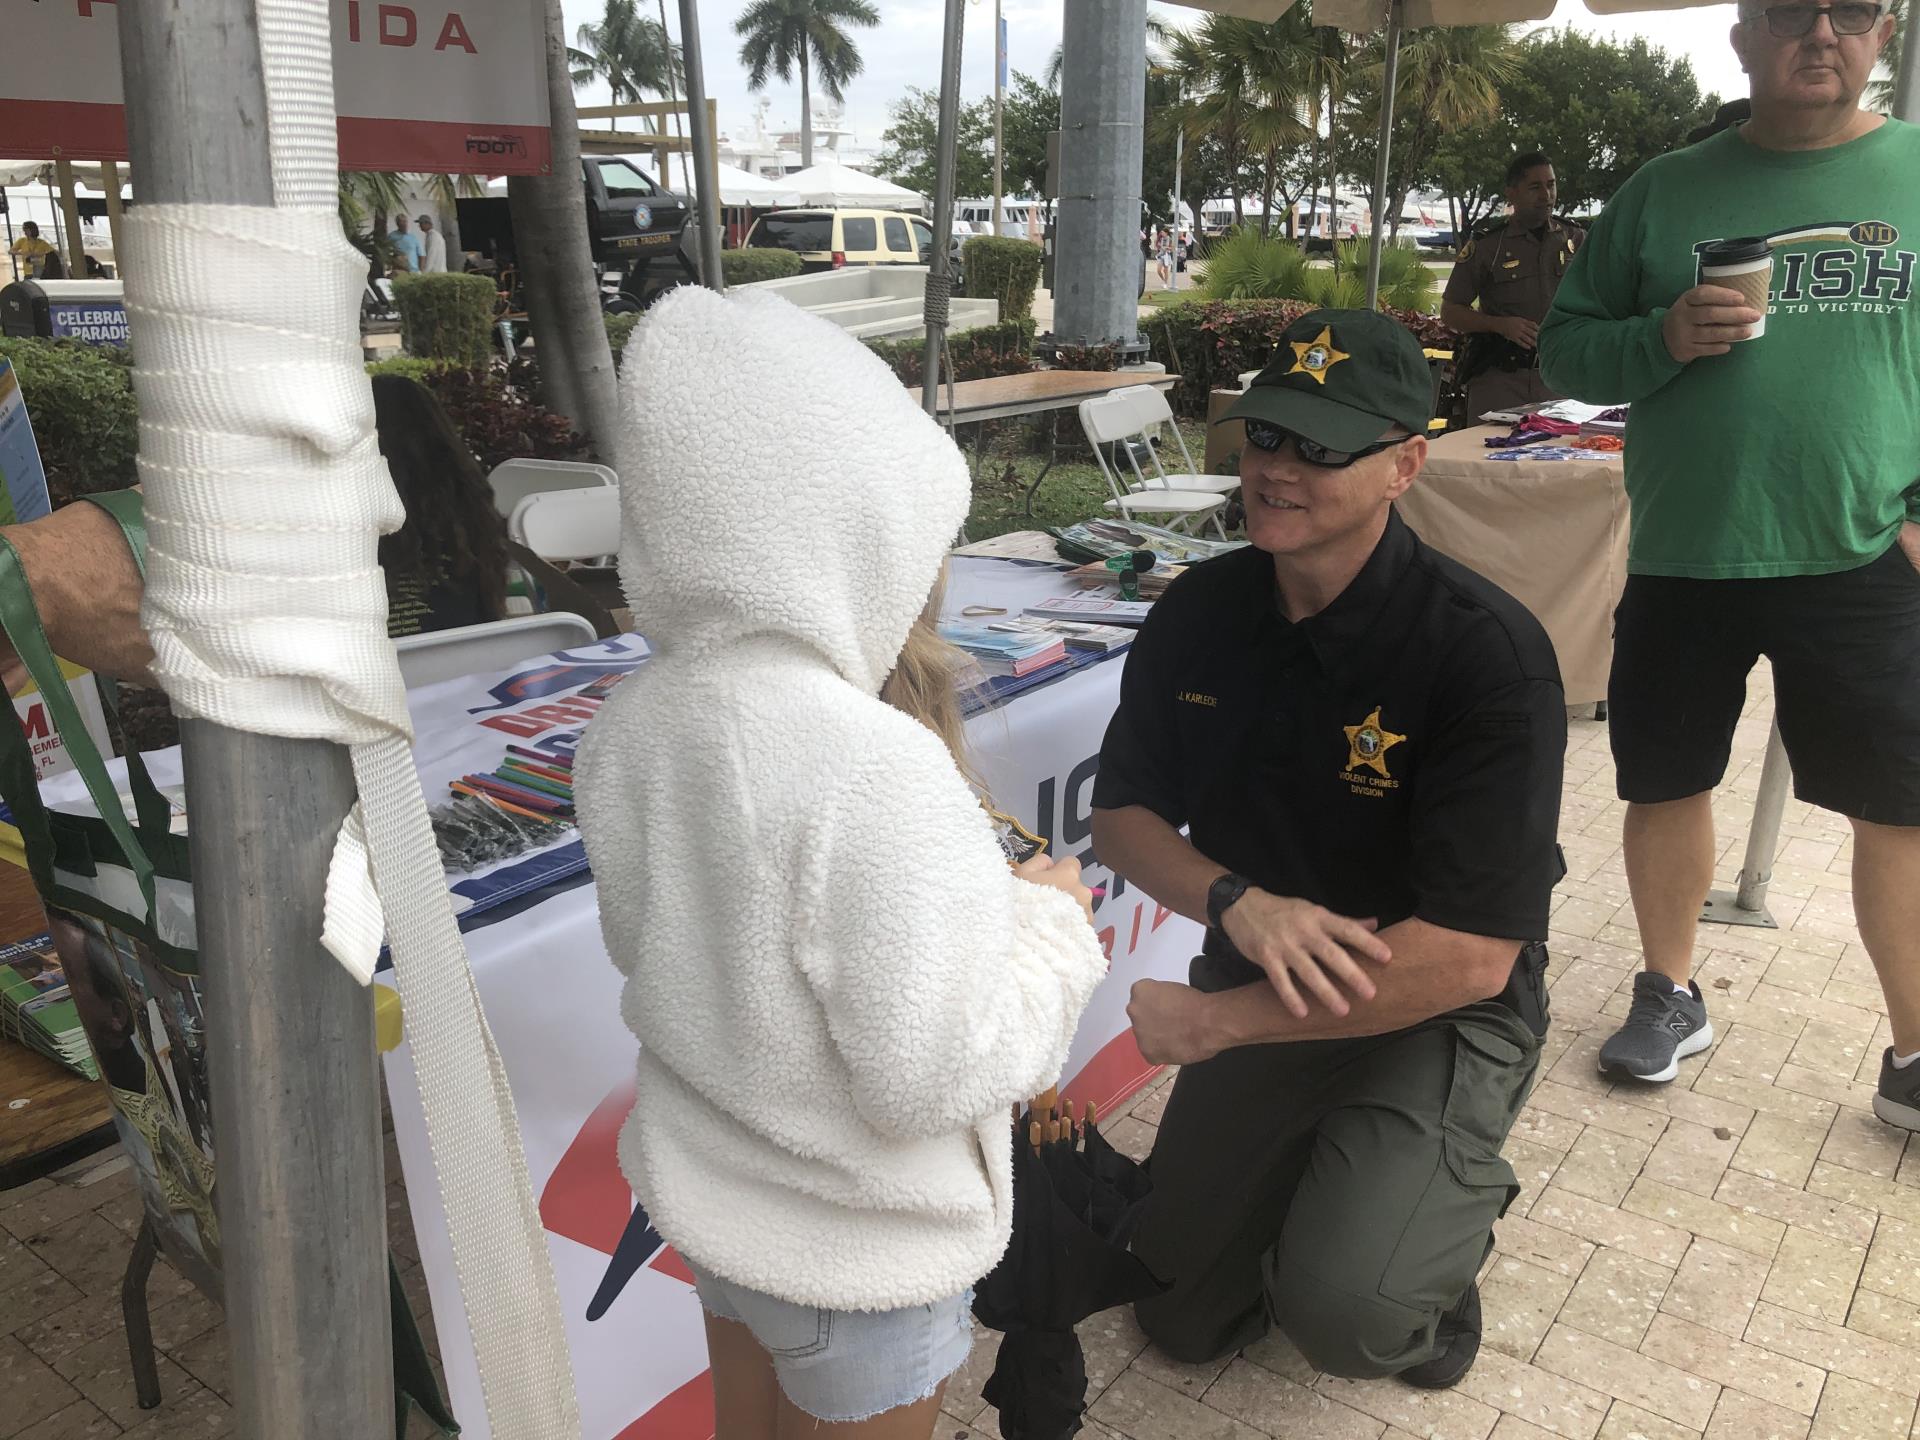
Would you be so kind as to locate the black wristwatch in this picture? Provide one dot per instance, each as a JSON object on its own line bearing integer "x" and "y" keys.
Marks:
{"x": 1223, "y": 895}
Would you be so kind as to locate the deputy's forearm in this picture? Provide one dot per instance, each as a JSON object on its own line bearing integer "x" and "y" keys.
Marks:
{"x": 87, "y": 588}
{"x": 1465, "y": 320}
{"x": 1138, "y": 844}
{"x": 1433, "y": 970}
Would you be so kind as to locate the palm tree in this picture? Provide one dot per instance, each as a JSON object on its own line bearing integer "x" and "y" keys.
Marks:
{"x": 781, "y": 36}
{"x": 1158, "y": 35}
{"x": 1449, "y": 78}
{"x": 1880, "y": 90}
{"x": 1241, "y": 80}
{"x": 628, "y": 50}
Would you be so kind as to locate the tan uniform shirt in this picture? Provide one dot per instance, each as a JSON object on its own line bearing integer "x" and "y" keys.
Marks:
{"x": 1511, "y": 271}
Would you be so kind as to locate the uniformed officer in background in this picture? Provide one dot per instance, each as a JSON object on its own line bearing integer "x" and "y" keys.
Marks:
{"x": 1364, "y": 740}
{"x": 1512, "y": 268}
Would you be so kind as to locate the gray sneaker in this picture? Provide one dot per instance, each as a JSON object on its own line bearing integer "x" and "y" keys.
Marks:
{"x": 1662, "y": 1028}
{"x": 1898, "y": 1099}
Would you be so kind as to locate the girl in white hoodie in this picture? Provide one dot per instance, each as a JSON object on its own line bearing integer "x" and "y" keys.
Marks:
{"x": 838, "y": 984}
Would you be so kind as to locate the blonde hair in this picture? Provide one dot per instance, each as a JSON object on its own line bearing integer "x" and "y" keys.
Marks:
{"x": 926, "y": 679}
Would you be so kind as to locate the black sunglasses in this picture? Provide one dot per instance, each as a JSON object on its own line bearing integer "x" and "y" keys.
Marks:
{"x": 1849, "y": 17}
{"x": 1263, "y": 435}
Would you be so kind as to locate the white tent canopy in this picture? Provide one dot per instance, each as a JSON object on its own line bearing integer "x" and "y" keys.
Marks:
{"x": 842, "y": 185}
{"x": 743, "y": 187}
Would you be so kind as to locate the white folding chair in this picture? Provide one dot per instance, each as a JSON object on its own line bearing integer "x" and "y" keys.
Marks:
{"x": 568, "y": 524}
{"x": 1127, "y": 420}
{"x": 513, "y": 480}
{"x": 472, "y": 649}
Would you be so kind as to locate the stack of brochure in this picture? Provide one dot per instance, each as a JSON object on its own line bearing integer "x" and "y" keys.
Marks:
{"x": 1007, "y": 649}
{"x": 36, "y": 1008}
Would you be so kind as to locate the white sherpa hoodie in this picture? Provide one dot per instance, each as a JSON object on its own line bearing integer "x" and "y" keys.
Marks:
{"x": 838, "y": 985}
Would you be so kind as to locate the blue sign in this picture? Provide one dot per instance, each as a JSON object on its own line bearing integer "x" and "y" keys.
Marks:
{"x": 98, "y": 322}
{"x": 1001, "y": 54}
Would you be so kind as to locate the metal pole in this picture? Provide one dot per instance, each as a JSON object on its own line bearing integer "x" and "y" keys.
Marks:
{"x": 1748, "y": 904}
{"x": 1103, "y": 101}
{"x": 939, "y": 264}
{"x": 700, "y": 133}
{"x": 1906, "y": 84}
{"x": 1388, "y": 90}
{"x": 1179, "y": 158}
{"x": 296, "y": 1091}
{"x": 673, "y": 94}
{"x": 999, "y": 100}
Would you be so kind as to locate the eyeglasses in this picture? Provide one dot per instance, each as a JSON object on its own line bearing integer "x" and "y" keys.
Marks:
{"x": 1849, "y": 17}
{"x": 1263, "y": 435}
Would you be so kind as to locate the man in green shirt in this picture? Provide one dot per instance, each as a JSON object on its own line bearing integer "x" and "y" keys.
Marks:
{"x": 1773, "y": 463}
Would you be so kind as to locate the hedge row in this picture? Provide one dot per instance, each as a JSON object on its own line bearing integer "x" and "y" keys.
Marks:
{"x": 80, "y": 398}
{"x": 446, "y": 317}
{"x": 1209, "y": 343}
{"x": 746, "y": 267}
{"x": 1002, "y": 349}
{"x": 1000, "y": 268}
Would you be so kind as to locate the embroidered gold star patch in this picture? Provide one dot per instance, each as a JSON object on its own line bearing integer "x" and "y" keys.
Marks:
{"x": 1368, "y": 743}
{"x": 1317, "y": 356}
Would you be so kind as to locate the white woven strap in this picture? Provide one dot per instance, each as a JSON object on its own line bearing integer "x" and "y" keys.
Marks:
{"x": 267, "y": 609}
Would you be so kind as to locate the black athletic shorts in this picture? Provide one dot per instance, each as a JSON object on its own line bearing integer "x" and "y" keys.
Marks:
{"x": 1846, "y": 674}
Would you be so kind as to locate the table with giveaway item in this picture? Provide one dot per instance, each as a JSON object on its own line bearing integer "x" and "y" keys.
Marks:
{"x": 552, "y": 998}
{"x": 1547, "y": 523}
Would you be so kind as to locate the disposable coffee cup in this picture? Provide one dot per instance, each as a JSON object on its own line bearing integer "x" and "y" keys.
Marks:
{"x": 1745, "y": 265}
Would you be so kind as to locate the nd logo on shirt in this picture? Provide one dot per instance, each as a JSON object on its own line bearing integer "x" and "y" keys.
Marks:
{"x": 1853, "y": 269}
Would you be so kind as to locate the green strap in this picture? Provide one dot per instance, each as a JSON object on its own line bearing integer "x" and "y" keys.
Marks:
{"x": 19, "y": 777}
{"x": 128, "y": 509}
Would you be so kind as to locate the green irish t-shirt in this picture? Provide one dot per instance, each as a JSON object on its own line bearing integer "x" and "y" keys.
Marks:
{"x": 1799, "y": 452}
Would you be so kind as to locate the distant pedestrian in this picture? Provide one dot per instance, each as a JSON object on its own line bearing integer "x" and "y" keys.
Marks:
{"x": 434, "y": 245}
{"x": 407, "y": 252}
{"x": 1163, "y": 254}
{"x": 30, "y": 251}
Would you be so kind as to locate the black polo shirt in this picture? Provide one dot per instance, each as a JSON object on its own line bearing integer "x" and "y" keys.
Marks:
{"x": 1398, "y": 754}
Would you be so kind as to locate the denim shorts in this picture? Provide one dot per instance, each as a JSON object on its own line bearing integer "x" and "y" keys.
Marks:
{"x": 845, "y": 1365}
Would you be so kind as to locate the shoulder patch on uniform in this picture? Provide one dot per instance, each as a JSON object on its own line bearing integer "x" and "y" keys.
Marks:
{"x": 1466, "y": 250}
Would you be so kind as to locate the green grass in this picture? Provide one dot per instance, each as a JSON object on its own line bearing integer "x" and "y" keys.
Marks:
{"x": 1073, "y": 489}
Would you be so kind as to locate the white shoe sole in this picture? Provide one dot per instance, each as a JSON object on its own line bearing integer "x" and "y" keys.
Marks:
{"x": 1692, "y": 1045}
{"x": 1894, "y": 1113}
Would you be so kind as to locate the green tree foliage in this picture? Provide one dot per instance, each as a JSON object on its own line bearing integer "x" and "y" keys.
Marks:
{"x": 1450, "y": 78}
{"x": 1600, "y": 108}
{"x": 1248, "y": 265}
{"x": 628, "y": 50}
{"x": 909, "y": 153}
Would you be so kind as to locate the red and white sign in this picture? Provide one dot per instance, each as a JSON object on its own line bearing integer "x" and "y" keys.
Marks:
{"x": 422, "y": 86}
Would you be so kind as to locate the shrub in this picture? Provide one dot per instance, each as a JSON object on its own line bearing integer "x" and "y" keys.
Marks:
{"x": 446, "y": 317}
{"x": 978, "y": 354}
{"x": 748, "y": 267}
{"x": 411, "y": 366}
{"x": 1086, "y": 357}
{"x": 620, "y": 327}
{"x": 80, "y": 400}
{"x": 1211, "y": 342}
{"x": 499, "y": 421}
{"x": 1247, "y": 265}
{"x": 1003, "y": 269}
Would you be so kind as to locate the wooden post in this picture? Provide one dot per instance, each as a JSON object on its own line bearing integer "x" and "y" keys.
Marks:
{"x": 110, "y": 175}
{"x": 70, "y": 208}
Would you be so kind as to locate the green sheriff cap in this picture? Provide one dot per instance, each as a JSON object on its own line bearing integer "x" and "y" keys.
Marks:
{"x": 1342, "y": 378}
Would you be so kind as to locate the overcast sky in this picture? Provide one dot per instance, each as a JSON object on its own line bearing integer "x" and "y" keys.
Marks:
{"x": 905, "y": 50}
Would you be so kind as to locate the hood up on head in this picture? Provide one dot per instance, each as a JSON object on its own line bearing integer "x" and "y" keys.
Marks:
{"x": 776, "y": 478}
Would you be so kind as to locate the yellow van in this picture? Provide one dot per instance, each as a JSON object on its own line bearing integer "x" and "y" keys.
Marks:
{"x": 833, "y": 239}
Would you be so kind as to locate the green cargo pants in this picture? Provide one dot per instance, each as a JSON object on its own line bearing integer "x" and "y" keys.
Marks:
{"x": 1344, "y": 1191}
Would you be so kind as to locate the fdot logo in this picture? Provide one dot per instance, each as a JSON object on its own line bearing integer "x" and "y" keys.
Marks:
{"x": 496, "y": 145}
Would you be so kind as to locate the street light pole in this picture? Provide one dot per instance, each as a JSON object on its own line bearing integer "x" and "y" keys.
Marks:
{"x": 700, "y": 136}
{"x": 296, "y": 1097}
{"x": 1389, "y": 90}
{"x": 999, "y": 100}
{"x": 1179, "y": 158}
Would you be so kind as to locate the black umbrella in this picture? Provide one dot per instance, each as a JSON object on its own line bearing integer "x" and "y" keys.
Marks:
{"x": 1076, "y": 1203}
